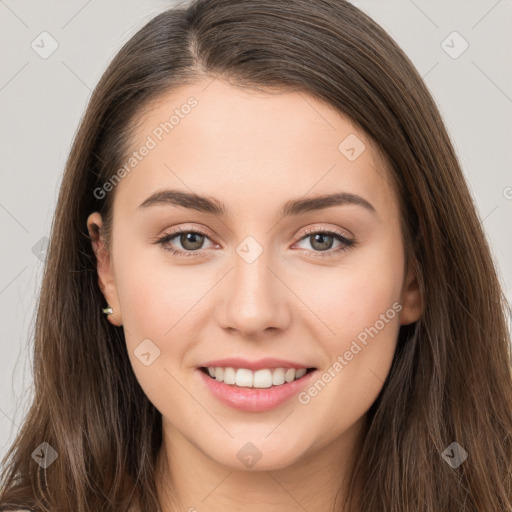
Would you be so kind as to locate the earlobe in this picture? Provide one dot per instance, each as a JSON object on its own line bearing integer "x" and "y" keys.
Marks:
{"x": 412, "y": 300}
{"x": 104, "y": 267}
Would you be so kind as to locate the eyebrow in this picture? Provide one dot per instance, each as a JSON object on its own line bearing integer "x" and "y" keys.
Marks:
{"x": 290, "y": 208}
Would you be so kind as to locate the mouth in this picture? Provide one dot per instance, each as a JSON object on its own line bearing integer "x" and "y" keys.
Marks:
{"x": 258, "y": 390}
{"x": 260, "y": 379}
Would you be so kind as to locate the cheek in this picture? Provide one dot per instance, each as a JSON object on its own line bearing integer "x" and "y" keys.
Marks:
{"x": 154, "y": 296}
{"x": 358, "y": 301}
{"x": 353, "y": 297}
{"x": 163, "y": 304}
{"x": 157, "y": 305}
{"x": 365, "y": 341}
{"x": 362, "y": 314}
{"x": 361, "y": 307}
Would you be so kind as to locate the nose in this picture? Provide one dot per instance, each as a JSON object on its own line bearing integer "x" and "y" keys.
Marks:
{"x": 254, "y": 300}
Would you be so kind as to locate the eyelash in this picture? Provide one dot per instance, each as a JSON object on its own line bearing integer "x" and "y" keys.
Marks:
{"x": 346, "y": 242}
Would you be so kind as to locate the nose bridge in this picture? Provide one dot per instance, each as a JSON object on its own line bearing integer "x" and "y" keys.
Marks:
{"x": 254, "y": 300}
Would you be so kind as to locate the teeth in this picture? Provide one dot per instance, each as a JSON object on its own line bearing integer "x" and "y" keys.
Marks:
{"x": 229, "y": 376}
{"x": 243, "y": 378}
{"x": 289, "y": 375}
{"x": 262, "y": 379}
{"x": 300, "y": 373}
{"x": 266, "y": 378}
{"x": 278, "y": 377}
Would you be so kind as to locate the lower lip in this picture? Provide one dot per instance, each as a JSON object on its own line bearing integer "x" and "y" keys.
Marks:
{"x": 255, "y": 399}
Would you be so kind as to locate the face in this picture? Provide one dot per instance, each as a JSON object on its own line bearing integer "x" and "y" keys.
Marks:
{"x": 259, "y": 274}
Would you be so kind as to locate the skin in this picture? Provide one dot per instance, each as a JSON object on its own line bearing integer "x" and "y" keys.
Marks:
{"x": 255, "y": 151}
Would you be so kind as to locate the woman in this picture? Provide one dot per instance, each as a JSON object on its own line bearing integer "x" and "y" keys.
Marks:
{"x": 267, "y": 287}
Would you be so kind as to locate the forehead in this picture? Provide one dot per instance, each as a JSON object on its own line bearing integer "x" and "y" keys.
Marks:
{"x": 252, "y": 150}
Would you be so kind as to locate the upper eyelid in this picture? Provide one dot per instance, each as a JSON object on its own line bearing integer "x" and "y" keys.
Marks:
{"x": 311, "y": 231}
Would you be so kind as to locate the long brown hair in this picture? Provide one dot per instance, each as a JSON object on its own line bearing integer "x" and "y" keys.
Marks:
{"x": 450, "y": 380}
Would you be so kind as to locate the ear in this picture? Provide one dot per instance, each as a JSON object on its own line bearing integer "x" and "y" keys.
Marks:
{"x": 412, "y": 301}
{"x": 106, "y": 277}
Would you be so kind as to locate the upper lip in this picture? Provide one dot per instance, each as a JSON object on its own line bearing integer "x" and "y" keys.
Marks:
{"x": 260, "y": 364}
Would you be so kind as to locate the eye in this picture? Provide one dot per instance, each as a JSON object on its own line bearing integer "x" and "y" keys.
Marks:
{"x": 322, "y": 241}
{"x": 190, "y": 240}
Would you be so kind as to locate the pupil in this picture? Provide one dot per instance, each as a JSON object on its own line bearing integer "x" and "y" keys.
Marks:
{"x": 195, "y": 239}
{"x": 326, "y": 244}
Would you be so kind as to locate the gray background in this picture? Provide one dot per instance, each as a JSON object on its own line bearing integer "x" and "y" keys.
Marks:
{"x": 42, "y": 100}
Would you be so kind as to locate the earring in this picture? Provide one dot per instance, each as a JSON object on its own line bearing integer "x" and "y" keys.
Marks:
{"x": 108, "y": 310}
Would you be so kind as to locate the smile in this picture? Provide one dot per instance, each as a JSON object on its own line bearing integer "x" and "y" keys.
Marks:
{"x": 261, "y": 379}
{"x": 254, "y": 391}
